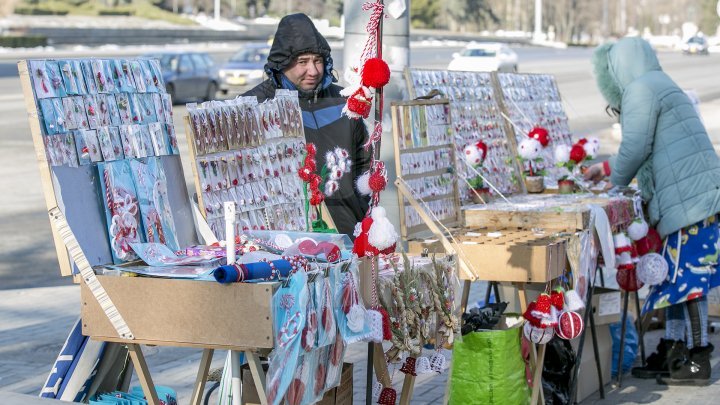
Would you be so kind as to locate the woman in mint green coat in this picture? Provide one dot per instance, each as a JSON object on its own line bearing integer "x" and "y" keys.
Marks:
{"x": 666, "y": 147}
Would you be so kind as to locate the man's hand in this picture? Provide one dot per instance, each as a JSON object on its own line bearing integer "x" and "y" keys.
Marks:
{"x": 594, "y": 173}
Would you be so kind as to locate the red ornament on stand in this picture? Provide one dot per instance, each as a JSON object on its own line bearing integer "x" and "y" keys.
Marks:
{"x": 388, "y": 396}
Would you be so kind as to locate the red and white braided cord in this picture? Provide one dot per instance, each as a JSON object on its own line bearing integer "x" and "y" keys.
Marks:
{"x": 370, "y": 49}
{"x": 374, "y": 137}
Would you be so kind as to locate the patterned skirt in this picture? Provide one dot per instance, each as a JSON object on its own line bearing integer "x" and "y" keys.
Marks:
{"x": 692, "y": 257}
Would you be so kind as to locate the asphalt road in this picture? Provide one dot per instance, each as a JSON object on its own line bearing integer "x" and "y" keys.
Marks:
{"x": 27, "y": 254}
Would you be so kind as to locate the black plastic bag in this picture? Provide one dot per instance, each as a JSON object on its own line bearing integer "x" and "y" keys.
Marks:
{"x": 557, "y": 371}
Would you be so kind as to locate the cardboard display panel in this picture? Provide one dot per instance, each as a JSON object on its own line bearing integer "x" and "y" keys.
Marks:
{"x": 184, "y": 312}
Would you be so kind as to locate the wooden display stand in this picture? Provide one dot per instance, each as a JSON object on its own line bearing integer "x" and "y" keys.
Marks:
{"x": 516, "y": 255}
{"x": 134, "y": 310}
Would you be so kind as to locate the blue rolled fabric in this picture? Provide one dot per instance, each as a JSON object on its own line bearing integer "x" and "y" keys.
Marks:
{"x": 238, "y": 273}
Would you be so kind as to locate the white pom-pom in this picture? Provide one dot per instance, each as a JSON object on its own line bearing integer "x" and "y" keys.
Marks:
{"x": 330, "y": 159}
{"x": 592, "y": 146}
{"x": 624, "y": 258}
{"x": 344, "y": 165}
{"x": 363, "y": 184}
{"x": 562, "y": 153}
{"x": 473, "y": 155}
{"x": 529, "y": 148}
{"x": 621, "y": 241}
{"x": 341, "y": 153}
{"x": 358, "y": 229}
{"x": 638, "y": 229}
{"x": 573, "y": 301}
{"x": 331, "y": 186}
{"x": 382, "y": 234}
{"x": 335, "y": 173}
{"x": 652, "y": 269}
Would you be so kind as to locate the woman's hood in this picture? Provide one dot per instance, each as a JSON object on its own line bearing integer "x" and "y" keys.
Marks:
{"x": 618, "y": 64}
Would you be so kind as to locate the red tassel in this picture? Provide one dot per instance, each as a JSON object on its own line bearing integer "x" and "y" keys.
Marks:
{"x": 387, "y": 331}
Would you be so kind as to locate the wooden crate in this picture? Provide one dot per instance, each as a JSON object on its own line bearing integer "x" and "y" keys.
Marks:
{"x": 517, "y": 255}
{"x": 172, "y": 312}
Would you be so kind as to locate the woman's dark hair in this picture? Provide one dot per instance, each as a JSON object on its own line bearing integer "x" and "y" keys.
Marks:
{"x": 612, "y": 111}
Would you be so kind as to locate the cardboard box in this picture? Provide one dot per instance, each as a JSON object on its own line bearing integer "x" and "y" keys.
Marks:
{"x": 607, "y": 305}
{"x": 173, "y": 312}
{"x": 587, "y": 382}
{"x": 515, "y": 255}
{"x": 340, "y": 395}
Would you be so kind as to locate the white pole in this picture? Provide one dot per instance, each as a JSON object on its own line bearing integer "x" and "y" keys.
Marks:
{"x": 537, "y": 35}
{"x": 217, "y": 9}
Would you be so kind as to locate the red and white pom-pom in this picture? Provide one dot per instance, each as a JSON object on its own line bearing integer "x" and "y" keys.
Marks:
{"x": 541, "y": 135}
{"x": 334, "y": 173}
{"x": 381, "y": 235}
{"x": 361, "y": 246}
{"x": 529, "y": 149}
{"x": 562, "y": 154}
{"x": 331, "y": 186}
{"x": 363, "y": 184}
{"x": 475, "y": 153}
{"x": 537, "y": 335}
{"x": 570, "y": 325}
{"x": 375, "y": 73}
{"x": 638, "y": 229}
{"x": 573, "y": 302}
{"x": 622, "y": 243}
{"x": 377, "y": 181}
{"x": 591, "y": 146}
{"x": 624, "y": 260}
{"x": 652, "y": 269}
{"x": 330, "y": 159}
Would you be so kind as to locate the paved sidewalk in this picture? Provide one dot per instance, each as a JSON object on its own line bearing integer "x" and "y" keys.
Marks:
{"x": 34, "y": 324}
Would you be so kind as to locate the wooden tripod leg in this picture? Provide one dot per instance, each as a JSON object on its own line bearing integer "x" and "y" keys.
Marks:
{"x": 258, "y": 375}
{"x": 465, "y": 296}
{"x": 143, "y": 373}
{"x": 537, "y": 393}
{"x": 380, "y": 365}
{"x": 199, "y": 389}
{"x": 407, "y": 389}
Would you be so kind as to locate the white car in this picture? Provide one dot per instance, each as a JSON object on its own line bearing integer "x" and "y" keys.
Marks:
{"x": 485, "y": 57}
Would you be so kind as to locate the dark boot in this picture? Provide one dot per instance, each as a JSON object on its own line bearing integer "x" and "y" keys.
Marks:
{"x": 695, "y": 370}
{"x": 657, "y": 363}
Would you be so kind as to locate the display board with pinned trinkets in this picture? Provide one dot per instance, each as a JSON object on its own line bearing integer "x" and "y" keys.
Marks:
{"x": 477, "y": 123}
{"x": 249, "y": 153}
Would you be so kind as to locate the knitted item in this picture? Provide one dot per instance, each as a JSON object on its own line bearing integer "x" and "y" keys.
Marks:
{"x": 652, "y": 269}
{"x": 438, "y": 362}
{"x": 374, "y": 320}
{"x": 570, "y": 325}
{"x": 388, "y": 396}
{"x": 422, "y": 365}
{"x": 573, "y": 302}
{"x": 409, "y": 366}
{"x": 537, "y": 335}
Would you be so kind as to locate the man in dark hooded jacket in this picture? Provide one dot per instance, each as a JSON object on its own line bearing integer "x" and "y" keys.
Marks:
{"x": 299, "y": 59}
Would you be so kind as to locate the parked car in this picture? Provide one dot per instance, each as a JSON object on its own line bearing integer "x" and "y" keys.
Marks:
{"x": 695, "y": 45}
{"x": 485, "y": 57}
{"x": 244, "y": 70}
{"x": 188, "y": 75}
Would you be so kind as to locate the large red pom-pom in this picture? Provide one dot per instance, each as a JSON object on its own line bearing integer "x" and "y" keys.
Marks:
{"x": 377, "y": 182}
{"x": 541, "y": 135}
{"x": 375, "y": 73}
{"x": 305, "y": 174}
{"x": 311, "y": 149}
{"x": 358, "y": 104}
{"x": 577, "y": 153}
{"x": 317, "y": 198}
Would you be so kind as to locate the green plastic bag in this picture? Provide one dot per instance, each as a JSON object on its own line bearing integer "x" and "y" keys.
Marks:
{"x": 488, "y": 368}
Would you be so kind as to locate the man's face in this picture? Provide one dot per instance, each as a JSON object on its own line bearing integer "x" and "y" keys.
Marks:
{"x": 306, "y": 71}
